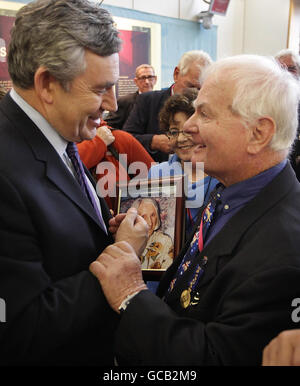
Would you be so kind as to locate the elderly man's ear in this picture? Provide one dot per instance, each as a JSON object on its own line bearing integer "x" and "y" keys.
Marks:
{"x": 260, "y": 135}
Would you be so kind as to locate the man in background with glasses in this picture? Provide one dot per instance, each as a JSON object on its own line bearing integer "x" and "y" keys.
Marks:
{"x": 145, "y": 79}
{"x": 143, "y": 119}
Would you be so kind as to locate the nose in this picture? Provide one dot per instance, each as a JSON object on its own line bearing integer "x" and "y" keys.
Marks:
{"x": 190, "y": 126}
{"x": 109, "y": 101}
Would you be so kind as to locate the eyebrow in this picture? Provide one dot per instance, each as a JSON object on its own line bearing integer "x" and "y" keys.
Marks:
{"x": 197, "y": 107}
{"x": 104, "y": 85}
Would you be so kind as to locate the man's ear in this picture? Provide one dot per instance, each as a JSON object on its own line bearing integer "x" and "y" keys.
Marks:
{"x": 176, "y": 73}
{"x": 44, "y": 85}
{"x": 261, "y": 135}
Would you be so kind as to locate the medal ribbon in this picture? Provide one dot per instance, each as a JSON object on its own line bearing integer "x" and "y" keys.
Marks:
{"x": 197, "y": 243}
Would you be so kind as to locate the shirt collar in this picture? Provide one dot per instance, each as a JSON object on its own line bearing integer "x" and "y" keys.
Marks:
{"x": 240, "y": 193}
{"x": 56, "y": 140}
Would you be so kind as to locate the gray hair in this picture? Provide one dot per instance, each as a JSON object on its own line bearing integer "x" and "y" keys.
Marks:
{"x": 141, "y": 66}
{"x": 201, "y": 58}
{"x": 288, "y": 52}
{"x": 55, "y": 34}
{"x": 262, "y": 88}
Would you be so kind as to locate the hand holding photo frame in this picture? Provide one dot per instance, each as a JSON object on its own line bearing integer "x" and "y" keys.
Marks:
{"x": 161, "y": 203}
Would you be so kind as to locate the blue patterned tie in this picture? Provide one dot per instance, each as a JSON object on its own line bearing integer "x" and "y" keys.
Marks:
{"x": 201, "y": 234}
{"x": 72, "y": 152}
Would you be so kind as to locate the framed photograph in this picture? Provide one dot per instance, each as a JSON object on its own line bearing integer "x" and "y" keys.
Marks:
{"x": 161, "y": 202}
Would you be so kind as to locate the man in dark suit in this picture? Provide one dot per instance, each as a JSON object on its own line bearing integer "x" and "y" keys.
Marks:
{"x": 143, "y": 119}
{"x": 52, "y": 224}
{"x": 231, "y": 288}
{"x": 145, "y": 79}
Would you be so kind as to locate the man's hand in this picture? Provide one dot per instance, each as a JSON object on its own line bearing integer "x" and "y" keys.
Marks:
{"x": 105, "y": 134}
{"x": 115, "y": 222}
{"x": 284, "y": 350}
{"x": 161, "y": 142}
{"x": 118, "y": 270}
{"x": 133, "y": 229}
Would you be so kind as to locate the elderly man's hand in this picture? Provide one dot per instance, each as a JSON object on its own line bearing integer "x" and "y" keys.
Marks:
{"x": 284, "y": 350}
{"x": 118, "y": 270}
{"x": 133, "y": 229}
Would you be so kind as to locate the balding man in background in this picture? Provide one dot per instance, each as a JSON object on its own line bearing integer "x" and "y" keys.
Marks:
{"x": 143, "y": 119}
{"x": 145, "y": 80}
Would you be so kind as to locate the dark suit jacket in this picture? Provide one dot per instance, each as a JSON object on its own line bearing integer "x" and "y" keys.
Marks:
{"x": 49, "y": 234}
{"x": 143, "y": 120}
{"x": 251, "y": 277}
{"x": 117, "y": 118}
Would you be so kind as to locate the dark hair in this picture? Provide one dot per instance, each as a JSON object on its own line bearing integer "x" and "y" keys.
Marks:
{"x": 55, "y": 34}
{"x": 177, "y": 103}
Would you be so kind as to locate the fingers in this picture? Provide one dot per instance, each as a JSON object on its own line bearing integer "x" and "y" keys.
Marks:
{"x": 133, "y": 219}
{"x": 131, "y": 216}
{"x": 107, "y": 258}
{"x": 116, "y": 221}
{"x": 280, "y": 351}
{"x": 296, "y": 356}
{"x": 97, "y": 269}
{"x": 140, "y": 220}
{"x": 117, "y": 250}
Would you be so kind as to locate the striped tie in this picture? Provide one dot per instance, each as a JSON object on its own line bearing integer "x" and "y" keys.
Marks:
{"x": 72, "y": 152}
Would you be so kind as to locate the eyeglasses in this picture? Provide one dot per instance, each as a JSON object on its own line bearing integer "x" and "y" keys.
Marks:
{"x": 149, "y": 77}
{"x": 173, "y": 134}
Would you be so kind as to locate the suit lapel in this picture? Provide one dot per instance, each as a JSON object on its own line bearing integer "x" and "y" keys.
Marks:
{"x": 55, "y": 169}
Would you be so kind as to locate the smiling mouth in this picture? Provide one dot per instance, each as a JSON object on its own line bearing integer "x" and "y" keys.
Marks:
{"x": 185, "y": 147}
{"x": 95, "y": 120}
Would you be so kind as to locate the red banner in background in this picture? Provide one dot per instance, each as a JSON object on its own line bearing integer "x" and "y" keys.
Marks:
{"x": 135, "y": 51}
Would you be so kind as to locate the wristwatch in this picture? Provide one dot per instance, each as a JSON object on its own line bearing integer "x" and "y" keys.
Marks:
{"x": 126, "y": 302}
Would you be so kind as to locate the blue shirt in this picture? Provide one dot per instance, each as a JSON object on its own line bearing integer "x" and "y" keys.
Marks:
{"x": 236, "y": 196}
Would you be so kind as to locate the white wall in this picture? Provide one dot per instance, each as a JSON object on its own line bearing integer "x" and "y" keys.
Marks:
{"x": 266, "y": 26}
{"x": 250, "y": 26}
{"x": 294, "y": 35}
